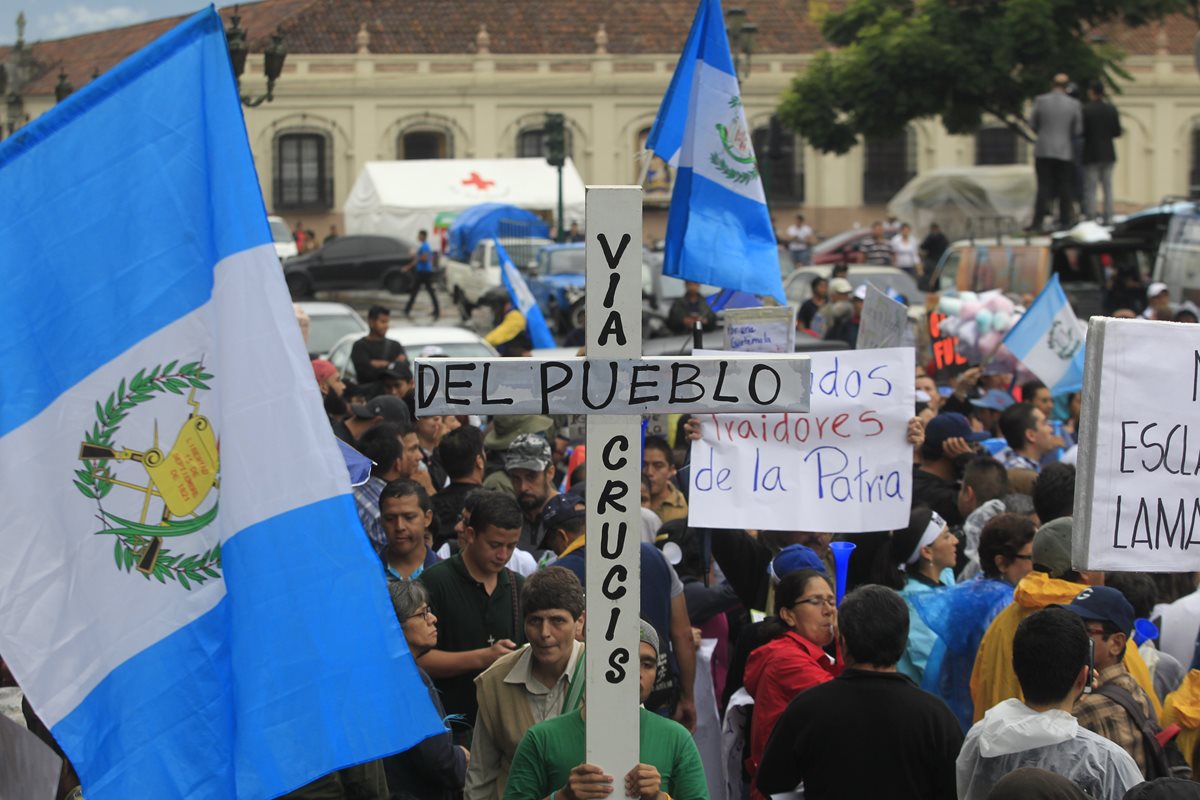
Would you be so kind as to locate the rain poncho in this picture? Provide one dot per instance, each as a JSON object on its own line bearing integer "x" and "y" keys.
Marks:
{"x": 1012, "y": 735}
{"x": 993, "y": 679}
{"x": 959, "y": 616}
{"x": 1182, "y": 707}
{"x": 920, "y": 638}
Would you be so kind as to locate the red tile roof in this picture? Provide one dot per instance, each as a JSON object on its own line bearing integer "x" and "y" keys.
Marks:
{"x": 532, "y": 27}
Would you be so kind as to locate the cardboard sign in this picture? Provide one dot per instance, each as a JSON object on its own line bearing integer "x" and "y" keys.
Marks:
{"x": 1137, "y": 495}
{"x": 884, "y": 322}
{"x": 945, "y": 348}
{"x": 845, "y": 466}
{"x": 769, "y": 329}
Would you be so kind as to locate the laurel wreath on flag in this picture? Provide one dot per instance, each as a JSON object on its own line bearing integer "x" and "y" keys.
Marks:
{"x": 733, "y": 174}
{"x": 95, "y": 481}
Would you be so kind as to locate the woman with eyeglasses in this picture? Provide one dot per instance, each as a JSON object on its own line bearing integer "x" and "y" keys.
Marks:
{"x": 784, "y": 667}
{"x": 435, "y": 769}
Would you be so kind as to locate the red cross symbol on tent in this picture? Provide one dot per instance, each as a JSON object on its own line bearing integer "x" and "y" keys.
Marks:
{"x": 478, "y": 182}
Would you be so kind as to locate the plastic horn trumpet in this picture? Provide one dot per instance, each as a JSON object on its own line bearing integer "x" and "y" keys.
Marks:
{"x": 841, "y": 564}
{"x": 1144, "y": 630}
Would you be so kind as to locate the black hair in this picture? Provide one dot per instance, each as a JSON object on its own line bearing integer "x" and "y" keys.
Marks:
{"x": 691, "y": 547}
{"x": 458, "y": 450}
{"x": 496, "y": 509}
{"x": 552, "y": 587}
{"x": 792, "y": 587}
{"x": 1097, "y": 87}
{"x": 381, "y": 444}
{"x": 403, "y": 487}
{"x": 422, "y": 232}
{"x": 840, "y": 270}
{"x": 987, "y": 478}
{"x": 1138, "y": 588}
{"x": 374, "y": 312}
{"x": 873, "y": 622}
{"x": 815, "y": 281}
{"x": 1049, "y": 648}
{"x": 1173, "y": 585}
{"x": 1014, "y": 421}
{"x": 1054, "y": 492}
{"x": 1003, "y": 535}
{"x": 660, "y": 444}
{"x": 1029, "y": 388}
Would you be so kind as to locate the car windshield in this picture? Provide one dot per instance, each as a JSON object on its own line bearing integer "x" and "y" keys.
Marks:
{"x": 325, "y": 331}
{"x": 565, "y": 262}
{"x": 280, "y": 232}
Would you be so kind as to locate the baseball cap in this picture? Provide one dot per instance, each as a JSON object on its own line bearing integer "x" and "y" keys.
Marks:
{"x": 399, "y": 370}
{"x": 528, "y": 451}
{"x": 860, "y": 292}
{"x": 951, "y": 425}
{"x": 558, "y": 511}
{"x": 994, "y": 400}
{"x": 323, "y": 370}
{"x": 388, "y": 406}
{"x": 791, "y": 559}
{"x": 1156, "y": 288}
{"x": 1104, "y": 604}
{"x": 1052, "y": 546}
{"x": 840, "y": 286}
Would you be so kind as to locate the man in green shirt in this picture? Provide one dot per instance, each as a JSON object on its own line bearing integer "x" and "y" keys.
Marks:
{"x": 549, "y": 760}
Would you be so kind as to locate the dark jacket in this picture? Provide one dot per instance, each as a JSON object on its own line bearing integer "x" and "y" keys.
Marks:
{"x": 435, "y": 769}
{"x": 1101, "y": 124}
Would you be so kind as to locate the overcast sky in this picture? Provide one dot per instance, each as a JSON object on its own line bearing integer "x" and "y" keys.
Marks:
{"x": 54, "y": 19}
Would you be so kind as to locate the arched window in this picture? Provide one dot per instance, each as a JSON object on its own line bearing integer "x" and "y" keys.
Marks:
{"x": 531, "y": 143}
{"x": 1194, "y": 173}
{"x": 303, "y": 170}
{"x": 780, "y": 162}
{"x": 1000, "y": 145}
{"x": 889, "y": 164}
{"x": 424, "y": 144}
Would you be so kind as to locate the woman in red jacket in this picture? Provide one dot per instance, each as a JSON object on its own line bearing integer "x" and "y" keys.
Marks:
{"x": 784, "y": 667}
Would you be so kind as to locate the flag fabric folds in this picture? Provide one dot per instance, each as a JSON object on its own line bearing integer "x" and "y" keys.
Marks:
{"x": 524, "y": 301}
{"x": 718, "y": 229}
{"x": 186, "y": 594}
{"x": 1048, "y": 340}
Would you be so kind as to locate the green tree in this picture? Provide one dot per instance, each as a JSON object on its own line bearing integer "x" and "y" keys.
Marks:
{"x": 901, "y": 60}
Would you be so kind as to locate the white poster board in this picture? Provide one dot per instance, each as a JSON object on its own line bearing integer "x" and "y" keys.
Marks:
{"x": 843, "y": 467}
{"x": 1137, "y": 494}
{"x": 884, "y": 322}
{"x": 769, "y": 329}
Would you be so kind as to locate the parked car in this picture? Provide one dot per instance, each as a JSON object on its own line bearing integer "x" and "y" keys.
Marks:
{"x": 798, "y": 286}
{"x": 328, "y": 324}
{"x": 359, "y": 261}
{"x": 467, "y": 281}
{"x": 841, "y": 248}
{"x": 556, "y": 281}
{"x": 285, "y": 245}
{"x": 452, "y": 342}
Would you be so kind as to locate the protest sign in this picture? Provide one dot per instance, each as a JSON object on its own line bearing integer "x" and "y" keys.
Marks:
{"x": 946, "y": 353}
{"x": 845, "y": 466}
{"x": 1136, "y": 502}
{"x": 884, "y": 322}
{"x": 769, "y": 329}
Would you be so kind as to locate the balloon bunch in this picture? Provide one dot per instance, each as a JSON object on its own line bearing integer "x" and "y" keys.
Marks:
{"x": 978, "y": 320}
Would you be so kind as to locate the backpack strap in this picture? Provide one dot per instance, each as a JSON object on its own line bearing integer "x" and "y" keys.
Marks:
{"x": 1156, "y": 759}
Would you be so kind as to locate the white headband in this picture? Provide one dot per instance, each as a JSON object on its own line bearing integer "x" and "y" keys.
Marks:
{"x": 932, "y": 531}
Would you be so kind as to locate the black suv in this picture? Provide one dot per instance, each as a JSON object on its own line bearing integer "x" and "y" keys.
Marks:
{"x": 352, "y": 262}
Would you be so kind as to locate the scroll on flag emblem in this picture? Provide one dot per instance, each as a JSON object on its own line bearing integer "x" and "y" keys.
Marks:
{"x": 187, "y": 597}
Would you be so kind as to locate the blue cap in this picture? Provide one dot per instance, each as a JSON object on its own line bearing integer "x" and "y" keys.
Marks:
{"x": 1104, "y": 604}
{"x": 994, "y": 400}
{"x": 792, "y": 558}
{"x": 558, "y": 511}
{"x": 951, "y": 425}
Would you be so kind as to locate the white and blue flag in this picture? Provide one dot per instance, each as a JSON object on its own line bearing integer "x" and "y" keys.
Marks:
{"x": 186, "y": 594}
{"x": 718, "y": 228}
{"x": 524, "y": 301}
{"x": 1048, "y": 340}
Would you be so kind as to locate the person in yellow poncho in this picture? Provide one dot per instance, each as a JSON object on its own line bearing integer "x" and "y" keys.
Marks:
{"x": 1052, "y": 581}
{"x": 1182, "y": 707}
{"x": 510, "y": 336}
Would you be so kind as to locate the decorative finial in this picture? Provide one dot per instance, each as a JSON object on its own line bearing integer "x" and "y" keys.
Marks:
{"x": 20, "y": 28}
{"x": 483, "y": 41}
{"x": 363, "y": 40}
{"x": 1161, "y": 42}
{"x": 601, "y": 39}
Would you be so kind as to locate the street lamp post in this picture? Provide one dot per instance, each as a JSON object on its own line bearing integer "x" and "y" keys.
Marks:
{"x": 556, "y": 156}
{"x": 63, "y": 89}
{"x": 273, "y": 58}
{"x": 14, "y": 75}
{"x": 741, "y": 40}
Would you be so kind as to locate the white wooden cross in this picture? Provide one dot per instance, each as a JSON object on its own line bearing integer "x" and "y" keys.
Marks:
{"x": 614, "y": 386}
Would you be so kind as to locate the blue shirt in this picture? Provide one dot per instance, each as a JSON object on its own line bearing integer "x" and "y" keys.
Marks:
{"x": 424, "y": 257}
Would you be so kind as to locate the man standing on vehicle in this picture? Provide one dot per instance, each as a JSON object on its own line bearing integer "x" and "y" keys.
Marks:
{"x": 1101, "y": 124}
{"x": 1058, "y": 120}
{"x": 372, "y": 354}
{"x": 424, "y": 276}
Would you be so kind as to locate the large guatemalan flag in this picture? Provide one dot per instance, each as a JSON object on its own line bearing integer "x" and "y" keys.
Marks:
{"x": 186, "y": 594}
{"x": 718, "y": 228}
{"x": 1048, "y": 340}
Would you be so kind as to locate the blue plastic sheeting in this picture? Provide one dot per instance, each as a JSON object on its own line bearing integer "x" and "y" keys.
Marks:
{"x": 483, "y": 222}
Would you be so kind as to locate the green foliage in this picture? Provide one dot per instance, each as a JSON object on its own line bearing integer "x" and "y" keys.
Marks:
{"x": 960, "y": 60}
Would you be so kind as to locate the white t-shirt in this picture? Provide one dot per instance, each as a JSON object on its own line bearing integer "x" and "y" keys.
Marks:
{"x": 907, "y": 256}
{"x": 799, "y": 236}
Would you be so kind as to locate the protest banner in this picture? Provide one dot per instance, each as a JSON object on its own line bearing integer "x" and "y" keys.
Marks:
{"x": 946, "y": 353}
{"x": 768, "y": 329}
{"x": 846, "y": 464}
{"x": 884, "y": 322}
{"x": 1137, "y": 508}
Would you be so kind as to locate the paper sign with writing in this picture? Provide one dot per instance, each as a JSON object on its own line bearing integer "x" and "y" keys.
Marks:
{"x": 945, "y": 347}
{"x": 884, "y": 322}
{"x": 1137, "y": 498}
{"x": 843, "y": 467}
{"x": 769, "y": 329}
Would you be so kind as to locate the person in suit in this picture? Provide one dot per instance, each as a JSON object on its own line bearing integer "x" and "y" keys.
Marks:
{"x": 1101, "y": 124}
{"x": 1057, "y": 119}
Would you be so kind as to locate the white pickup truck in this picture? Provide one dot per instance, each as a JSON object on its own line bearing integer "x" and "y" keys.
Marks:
{"x": 467, "y": 282}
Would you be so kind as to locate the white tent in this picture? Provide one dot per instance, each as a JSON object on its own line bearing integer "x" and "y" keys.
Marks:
{"x": 399, "y": 198}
